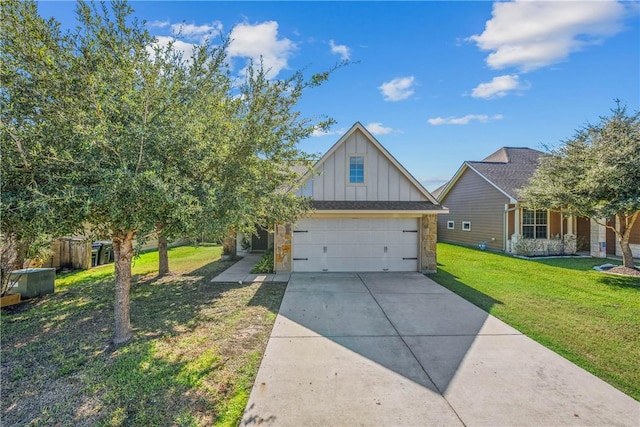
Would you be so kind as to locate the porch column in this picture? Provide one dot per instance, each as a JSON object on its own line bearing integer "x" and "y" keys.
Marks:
{"x": 516, "y": 229}
{"x": 429, "y": 238}
{"x": 598, "y": 239}
{"x": 282, "y": 248}
{"x": 570, "y": 225}
{"x": 570, "y": 243}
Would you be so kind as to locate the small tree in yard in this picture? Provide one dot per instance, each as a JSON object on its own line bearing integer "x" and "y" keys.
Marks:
{"x": 138, "y": 140}
{"x": 595, "y": 174}
{"x": 38, "y": 198}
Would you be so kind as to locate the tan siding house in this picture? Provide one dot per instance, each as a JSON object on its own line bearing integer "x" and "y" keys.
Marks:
{"x": 484, "y": 208}
{"x": 479, "y": 204}
{"x": 369, "y": 214}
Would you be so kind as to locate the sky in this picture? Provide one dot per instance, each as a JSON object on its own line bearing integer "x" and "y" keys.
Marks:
{"x": 436, "y": 82}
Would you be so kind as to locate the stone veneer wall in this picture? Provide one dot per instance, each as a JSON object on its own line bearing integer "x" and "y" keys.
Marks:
{"x": 428, "y": 262}
{"x": 282, "y": 248}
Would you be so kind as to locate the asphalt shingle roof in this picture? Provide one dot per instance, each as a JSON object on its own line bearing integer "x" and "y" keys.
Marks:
{"x": 509, "y": 168}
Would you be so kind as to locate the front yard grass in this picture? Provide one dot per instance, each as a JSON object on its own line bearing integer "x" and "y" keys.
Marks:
{"x": 193, "y": 360}
{"x": 591, "y": 318}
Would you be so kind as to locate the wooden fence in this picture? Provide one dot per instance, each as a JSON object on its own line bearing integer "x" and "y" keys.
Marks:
{"x": 70, "y": 252}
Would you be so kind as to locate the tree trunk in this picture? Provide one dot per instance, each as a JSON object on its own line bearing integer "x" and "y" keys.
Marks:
{"x": 123, "y": 252}
{"x": 163, "y": 255}
{"x": 625, "y": 236}
{"x": 10, "y": 259}
{"x": 627, "y": 255}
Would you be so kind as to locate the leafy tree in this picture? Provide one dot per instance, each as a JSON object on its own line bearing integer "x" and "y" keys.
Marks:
{"x": 131, "y": 140}
{"x": 595, "y": 174}
{"x": 37, "y": 177}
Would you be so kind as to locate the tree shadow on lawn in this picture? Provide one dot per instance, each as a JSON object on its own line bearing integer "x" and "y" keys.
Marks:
{"x": 212, "y": 269}
{"x": 452, "y": 282}
{"x": 54, "y": 341}
{"x": 620, "y": 281}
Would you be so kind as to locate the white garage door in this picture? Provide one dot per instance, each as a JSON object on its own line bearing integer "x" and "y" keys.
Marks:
{"x": 332, "y": 244}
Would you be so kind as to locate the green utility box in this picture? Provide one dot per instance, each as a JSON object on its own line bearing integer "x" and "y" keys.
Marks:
{"x": 32, "y": 282}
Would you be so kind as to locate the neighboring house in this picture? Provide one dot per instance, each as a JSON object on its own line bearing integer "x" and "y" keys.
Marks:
{"x": 485, "y": 208}
{"x": 369, "y": 214}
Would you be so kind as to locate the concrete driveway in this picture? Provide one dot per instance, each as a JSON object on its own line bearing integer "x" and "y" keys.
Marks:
{"x": 397, "y": 349}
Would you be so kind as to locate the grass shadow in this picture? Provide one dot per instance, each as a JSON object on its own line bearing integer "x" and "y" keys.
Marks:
{"x": 620, "y": 281}
{"x": 212, "y": 269}
{"x": 579, "y": 264}
{"x": 452, "y": 282}
{"x": 190, "y": 335}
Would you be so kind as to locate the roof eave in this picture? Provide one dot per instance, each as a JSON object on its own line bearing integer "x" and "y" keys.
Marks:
{"x": 381, "y": 211}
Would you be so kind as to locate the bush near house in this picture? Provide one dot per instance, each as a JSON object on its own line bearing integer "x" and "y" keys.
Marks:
{"x": 591, "y": 318}
{"x": 265, "y": 265}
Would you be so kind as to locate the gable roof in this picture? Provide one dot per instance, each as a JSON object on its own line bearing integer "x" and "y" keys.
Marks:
{"x": 437, "y": 191}
{"x": 508, "y": 170}
{"x": 359, "y": 127}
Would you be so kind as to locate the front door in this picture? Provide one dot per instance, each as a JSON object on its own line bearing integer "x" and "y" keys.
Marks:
{"x": 260, "y": 241}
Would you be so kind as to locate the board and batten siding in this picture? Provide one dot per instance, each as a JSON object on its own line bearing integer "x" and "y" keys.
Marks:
{"x": 383, "y": 181}
{"x": 473, "y": 199}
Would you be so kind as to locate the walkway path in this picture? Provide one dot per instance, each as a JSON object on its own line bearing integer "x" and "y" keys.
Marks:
{"x": 241, "y": 272}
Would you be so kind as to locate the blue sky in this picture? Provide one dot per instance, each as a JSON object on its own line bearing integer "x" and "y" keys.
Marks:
{"x": 437, "y": 83}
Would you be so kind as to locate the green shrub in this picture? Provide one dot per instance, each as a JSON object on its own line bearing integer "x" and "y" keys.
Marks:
{"x": 265, "y": 265}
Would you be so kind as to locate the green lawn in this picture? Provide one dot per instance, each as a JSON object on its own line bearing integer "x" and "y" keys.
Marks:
{"x": 196, "y": 350}
{"x": 591, "y": 318}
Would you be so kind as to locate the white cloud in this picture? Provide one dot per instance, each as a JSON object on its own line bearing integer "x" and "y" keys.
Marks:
{"x": 319, "y": 132}
{"x": 341, "y": 50}
{"x": 397, "y": 89}
{"x": 483, "y": 118}
{"x": 261, "y": 41}
{"x": 377, "y": 129}
{"x": 196, "y": 32}
{"x": 158, "y": 24}
{"x": 499, "y": 87}
{"x": 532, "y": 34}
{"x": 183, "y": 47}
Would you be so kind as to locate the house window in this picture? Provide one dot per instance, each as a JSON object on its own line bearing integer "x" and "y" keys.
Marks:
{"x": 534, "y": 224}
{"x": 356, "y": 170}
{"x": 451, "y": 225}
{"x": 466, "y": 225}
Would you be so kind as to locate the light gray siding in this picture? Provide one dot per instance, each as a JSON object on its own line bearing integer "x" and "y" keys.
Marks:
{"x": 473, "y": 199}
{"x": 383, "y": 181}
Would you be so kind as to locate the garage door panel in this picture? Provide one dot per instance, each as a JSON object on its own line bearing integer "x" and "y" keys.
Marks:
{"x": 397, "y": 264}
{"x": 306, "y": 266}
{"x": 354, "y": 251}
{"x": 310, "y": 224}
{"x": 399, "y": 236}
{"x": 401, "y": 251}
{"x": 308, "y": 251}
{"x": 308, "y": 238}
{"x": 343, "y": 236}
{"x": 355, "y": 244}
